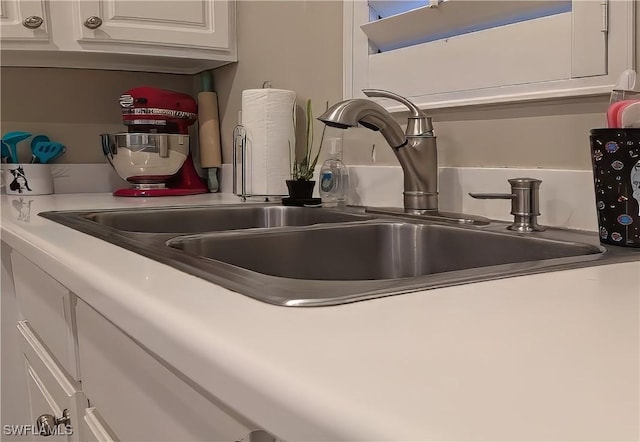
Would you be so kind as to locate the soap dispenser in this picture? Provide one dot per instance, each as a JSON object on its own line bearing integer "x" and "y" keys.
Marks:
{"x": 334, "y": 176}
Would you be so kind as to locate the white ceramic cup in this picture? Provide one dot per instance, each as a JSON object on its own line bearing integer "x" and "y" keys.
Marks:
{"x": 27, "y": 179}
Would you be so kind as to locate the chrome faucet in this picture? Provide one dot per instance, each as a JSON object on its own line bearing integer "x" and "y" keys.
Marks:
{"x": 415, "y": 149}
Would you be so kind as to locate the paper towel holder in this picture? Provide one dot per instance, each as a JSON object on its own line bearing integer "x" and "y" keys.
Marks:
{"x": 240, "y": 143}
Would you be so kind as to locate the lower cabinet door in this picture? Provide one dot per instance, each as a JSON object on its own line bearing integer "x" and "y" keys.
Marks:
{"x": 140, "y": 397}
{"x": 54, "y": 396}
{"x": 97, "y": 430}
{"x": 50, "y": 309}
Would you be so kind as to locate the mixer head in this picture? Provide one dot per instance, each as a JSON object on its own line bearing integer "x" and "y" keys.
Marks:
{"x": 149, "y": 109}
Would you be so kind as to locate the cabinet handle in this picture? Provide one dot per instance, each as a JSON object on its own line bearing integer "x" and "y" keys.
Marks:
{"x": 93, "y": 22}
{"x": 32, "y": 22}
{"x": 47, "y": 424}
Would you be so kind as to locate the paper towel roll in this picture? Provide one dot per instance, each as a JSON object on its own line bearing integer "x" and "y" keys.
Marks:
{"x": 267, "y": 116}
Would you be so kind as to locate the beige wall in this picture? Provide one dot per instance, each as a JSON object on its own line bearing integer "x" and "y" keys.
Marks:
{"x": 295, "y": 45}
{"x": 72, "y": 106}
{"x": 550, "y": 134}
{"x": 545, "y": 134}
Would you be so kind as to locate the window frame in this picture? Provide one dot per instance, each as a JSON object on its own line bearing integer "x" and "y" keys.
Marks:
{"x": 620, "y": 37}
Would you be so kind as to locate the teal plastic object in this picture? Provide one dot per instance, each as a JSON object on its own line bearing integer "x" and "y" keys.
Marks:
{"x": 5, "y": 152}
{"x": 37, "y": 139}
{"x": 12, "y": 139}
{"x": 46, "y": 151}
{"x": 206, "y": 82}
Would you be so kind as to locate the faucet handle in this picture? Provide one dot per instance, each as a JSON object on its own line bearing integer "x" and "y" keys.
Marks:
{"x": 525, "y": 203}
{"x": 418, "y": 125}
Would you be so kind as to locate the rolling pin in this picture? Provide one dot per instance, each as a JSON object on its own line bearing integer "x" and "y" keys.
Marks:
{"x": 209, "y": 137}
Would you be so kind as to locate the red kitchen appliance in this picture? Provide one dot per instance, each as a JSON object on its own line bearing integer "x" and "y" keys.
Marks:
{"x": 153, "y": 155}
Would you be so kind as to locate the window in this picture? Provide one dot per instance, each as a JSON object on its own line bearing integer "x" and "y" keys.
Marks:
{"x": 460, "y": 52}
{"x": 391, "y": 28}
{"x": 386, "y": 8}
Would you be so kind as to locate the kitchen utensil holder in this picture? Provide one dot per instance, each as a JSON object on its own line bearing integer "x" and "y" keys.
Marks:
{"x": 240, "y": 143}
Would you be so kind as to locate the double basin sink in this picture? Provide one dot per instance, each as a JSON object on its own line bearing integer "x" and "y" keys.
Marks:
{"x": 297, "y": 256}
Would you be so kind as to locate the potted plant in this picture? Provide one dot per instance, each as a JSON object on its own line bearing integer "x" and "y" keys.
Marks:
{"x": 301, "y": 184}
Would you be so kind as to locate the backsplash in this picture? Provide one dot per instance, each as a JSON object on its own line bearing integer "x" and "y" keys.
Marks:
{"x": 566, "y": 196}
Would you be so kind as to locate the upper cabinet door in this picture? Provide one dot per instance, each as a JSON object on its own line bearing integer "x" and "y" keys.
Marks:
{"x": 24, "y": 20}
{"x": 183, "y": 23}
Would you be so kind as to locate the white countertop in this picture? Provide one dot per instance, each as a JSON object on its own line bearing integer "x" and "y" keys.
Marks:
{"x": 553, "y": 356}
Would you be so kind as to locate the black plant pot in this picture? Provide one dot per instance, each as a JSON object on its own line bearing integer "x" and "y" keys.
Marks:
{"x": 300, "y": 189}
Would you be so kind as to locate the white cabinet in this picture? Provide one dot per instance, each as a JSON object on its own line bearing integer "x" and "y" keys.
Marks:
{"x": 112, "y": 388}
{"x": 139, "y": 396}
{"x": 49, "y": 307}
{"x": 188, "y": 23}
{"x": 15, "y": 403}
{"x": 24, "y": 20}
{"x": 177, "y": 36}
{"x": 51, "y": 391}
{"x": 47, "y": 343}
{"x": 97, "y": 429}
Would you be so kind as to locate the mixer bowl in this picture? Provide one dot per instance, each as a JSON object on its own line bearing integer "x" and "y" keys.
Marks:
{"x": 145, "y": 159}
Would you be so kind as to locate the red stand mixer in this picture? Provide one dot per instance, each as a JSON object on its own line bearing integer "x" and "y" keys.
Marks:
{"x": 153, "y": 155}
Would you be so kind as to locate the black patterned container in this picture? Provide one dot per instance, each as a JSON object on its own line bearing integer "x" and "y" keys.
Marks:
{"x": 615, "y": 155}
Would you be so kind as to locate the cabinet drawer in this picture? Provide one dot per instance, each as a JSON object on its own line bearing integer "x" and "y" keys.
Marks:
{"x": 51, "y": 390}
{"x": 50, "y": 309}
{"x": 140, "y": 397}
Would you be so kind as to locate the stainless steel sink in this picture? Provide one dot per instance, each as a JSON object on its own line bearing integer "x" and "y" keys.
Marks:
{"x": 213, "y": 219}
{"x": 382, "y": 250}
{"x": 295, "y": 256}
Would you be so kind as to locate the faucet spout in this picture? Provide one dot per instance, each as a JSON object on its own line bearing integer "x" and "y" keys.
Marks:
{"x": 367, "y": 113}
{"x": 416, "y": 151}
